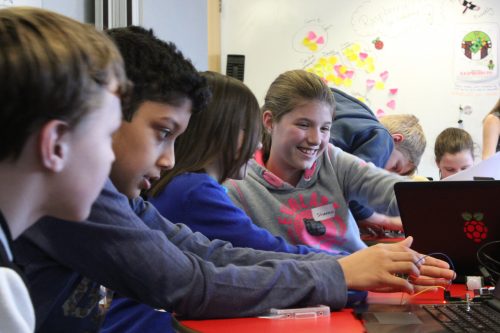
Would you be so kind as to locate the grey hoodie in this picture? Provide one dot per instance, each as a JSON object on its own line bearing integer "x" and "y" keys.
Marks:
{"x": 316, "y": 211}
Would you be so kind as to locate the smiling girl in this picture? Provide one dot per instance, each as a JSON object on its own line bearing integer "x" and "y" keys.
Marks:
{"x": 191, "y": 192}
{"x": 299, "y": 185}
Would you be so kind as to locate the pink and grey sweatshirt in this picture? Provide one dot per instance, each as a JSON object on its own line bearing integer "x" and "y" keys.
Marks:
{"x": 315, "y": 212}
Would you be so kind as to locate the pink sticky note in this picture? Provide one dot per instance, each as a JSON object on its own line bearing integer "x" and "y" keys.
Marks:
{"x": 393, "y": 91}
{"x": 363, "y": 55}
{"x": 384, "y": 75}
{"x": 337, "y": 68}
{"x": 349, "y": 74}
{"x": 320, "y": 40}
{"x": 391, "y": 104}
{"x": 370, "y": 83}
{"x": 380, "y": 113}
{"x": 311, "y": 35}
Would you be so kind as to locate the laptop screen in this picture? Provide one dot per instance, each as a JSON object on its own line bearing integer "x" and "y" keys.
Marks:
{"x": 451, "y": 219}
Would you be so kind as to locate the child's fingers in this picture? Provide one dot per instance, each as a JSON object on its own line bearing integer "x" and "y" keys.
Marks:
{"x": 437, "y": 272}
{"x": 436, "y": 262}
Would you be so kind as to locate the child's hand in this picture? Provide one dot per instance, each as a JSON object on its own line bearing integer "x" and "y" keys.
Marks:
{"x": 383, "y": 221}
{"x": 375, "y": 268}
{"x": 433, "y": 272}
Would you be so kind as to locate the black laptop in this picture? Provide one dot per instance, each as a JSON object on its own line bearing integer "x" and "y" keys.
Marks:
{"x": 474, "y": 316}
{"x": 456, "y": 218}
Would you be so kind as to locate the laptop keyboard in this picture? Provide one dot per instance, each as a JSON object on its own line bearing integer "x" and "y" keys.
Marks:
{"x": 466, "y": 318}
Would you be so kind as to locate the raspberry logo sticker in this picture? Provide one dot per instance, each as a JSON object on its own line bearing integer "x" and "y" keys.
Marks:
{"x": 474, "y": 227}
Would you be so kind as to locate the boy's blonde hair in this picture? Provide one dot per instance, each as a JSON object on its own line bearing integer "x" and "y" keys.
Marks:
{"x": 414, "y": 142}
{"x": 51, "y": 67}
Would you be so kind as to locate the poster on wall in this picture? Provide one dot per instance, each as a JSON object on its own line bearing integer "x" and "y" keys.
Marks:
{"x": 476, "y": 58}
{"x": 29, "y": 3}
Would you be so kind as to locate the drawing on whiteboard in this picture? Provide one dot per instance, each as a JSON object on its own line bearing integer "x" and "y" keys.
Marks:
{"x": 310, "y": 38}
{"x": 476, "y": 45}
{"x": 313, "y": 41}
{"x": 476, "y": 55}
{"x": 353, "y": 69}
{"x": 379, "y": 45}
{"x": 465, "y": 110}
{"x": 469, "y": 5}
{"x": 396, "y": 17}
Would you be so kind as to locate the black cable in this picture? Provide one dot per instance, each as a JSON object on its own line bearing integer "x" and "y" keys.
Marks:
{"x": 489, "y": 266}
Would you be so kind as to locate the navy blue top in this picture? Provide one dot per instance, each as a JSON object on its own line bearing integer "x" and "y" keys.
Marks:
{"x": 356, "y": 130}
{"x": 197, "y": 200}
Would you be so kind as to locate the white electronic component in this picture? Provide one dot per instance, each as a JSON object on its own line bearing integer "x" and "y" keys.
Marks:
{"x": 474, "y": 282}
{"x": 298, "y": 313}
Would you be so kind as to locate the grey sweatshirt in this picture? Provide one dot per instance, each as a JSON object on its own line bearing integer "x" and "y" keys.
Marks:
{"x": 316, "y": 211}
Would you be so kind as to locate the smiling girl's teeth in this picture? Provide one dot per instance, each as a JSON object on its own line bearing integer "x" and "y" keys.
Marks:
{"x": 307, "y": 151}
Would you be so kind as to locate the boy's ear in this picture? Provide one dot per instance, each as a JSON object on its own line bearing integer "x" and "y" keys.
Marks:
{"x": 53, "y": 145}
{"x": 267, "y": 120}
{"x": 397, "y": 137}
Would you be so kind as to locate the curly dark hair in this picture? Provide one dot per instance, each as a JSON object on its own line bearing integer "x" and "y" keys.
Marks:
{"x": 158, "y": 71}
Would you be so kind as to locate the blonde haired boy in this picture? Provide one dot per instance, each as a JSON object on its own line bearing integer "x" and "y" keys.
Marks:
{"x": 409, "y": 142}
{"x": 59, "y": 106}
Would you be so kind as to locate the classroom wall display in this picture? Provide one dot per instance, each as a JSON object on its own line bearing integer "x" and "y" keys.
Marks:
{"x": 476, "y": 58}
{"x": 432, "y": 58}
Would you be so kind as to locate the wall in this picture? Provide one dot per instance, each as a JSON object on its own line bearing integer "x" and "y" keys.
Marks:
{"x": 81, "y": 10}
{"x": 183, "y": 22}
{"x": 214, "y": 35}
{"x": 420, "y": 68}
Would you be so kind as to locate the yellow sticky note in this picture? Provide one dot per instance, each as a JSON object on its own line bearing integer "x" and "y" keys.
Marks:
{"x": 379, "y": 85}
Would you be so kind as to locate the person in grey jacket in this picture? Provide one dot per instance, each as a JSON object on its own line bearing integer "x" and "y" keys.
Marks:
{"x": 127, "y": 246}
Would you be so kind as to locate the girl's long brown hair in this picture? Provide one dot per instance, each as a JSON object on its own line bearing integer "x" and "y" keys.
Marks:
{"x": 212, "y": 134}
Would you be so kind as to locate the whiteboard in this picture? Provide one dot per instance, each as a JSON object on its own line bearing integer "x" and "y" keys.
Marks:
{"x": 398, "y": 56}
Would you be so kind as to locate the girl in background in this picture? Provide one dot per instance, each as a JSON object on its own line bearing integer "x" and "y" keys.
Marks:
{"x": 454, "y": 151}
{"x": 491, "y": 131}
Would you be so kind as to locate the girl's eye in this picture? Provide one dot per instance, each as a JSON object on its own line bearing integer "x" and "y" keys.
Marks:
{"x": 164, "y": 132}
{"x": 325, "y": 129}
